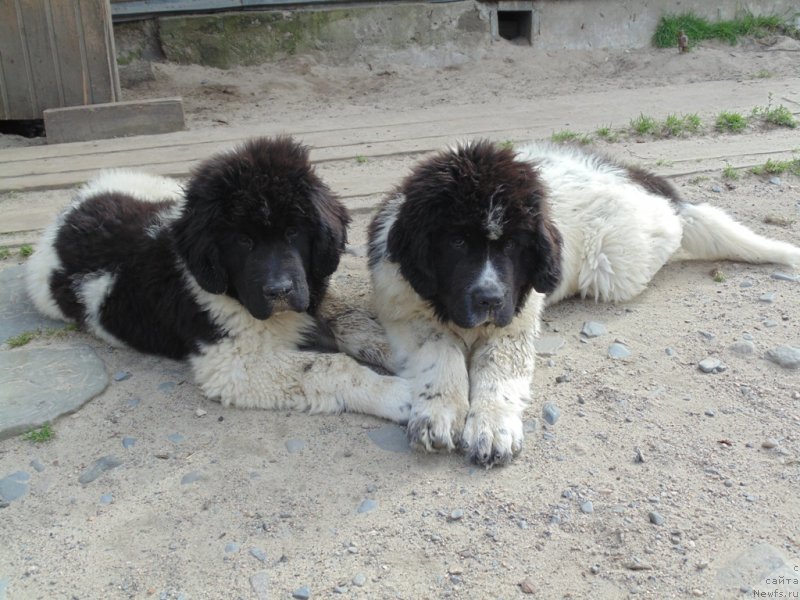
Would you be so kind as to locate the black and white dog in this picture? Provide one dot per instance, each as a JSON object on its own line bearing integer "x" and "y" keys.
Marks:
{"x": 477, "y": 239}
{"x": 228, "y": 273}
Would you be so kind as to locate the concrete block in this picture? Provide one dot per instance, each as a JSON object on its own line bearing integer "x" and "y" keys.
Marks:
{"x": 115, "y": 119}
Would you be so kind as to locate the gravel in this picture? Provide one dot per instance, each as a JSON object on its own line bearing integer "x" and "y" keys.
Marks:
{"x": 593, "y": 329}
{"x": 293, "y": 446}
{"x": 367, "y": 505}
{"x": 550, "y": 413}
{"x": 98, "y": 467}
{"x": 587, "y": 507}
{"x": 618, "y": 351}
{"x": 786, "y": 356}
{"x": 655, "y": 518}
{"x": 359, "y": 580}
{"x": 711, "y": 365}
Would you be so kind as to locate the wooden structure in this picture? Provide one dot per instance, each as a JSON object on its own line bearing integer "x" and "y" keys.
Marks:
{"x": 55, "y": 53}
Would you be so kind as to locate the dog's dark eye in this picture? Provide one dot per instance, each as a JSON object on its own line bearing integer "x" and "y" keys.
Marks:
{"x": 458, "y": 242}
{"x": 290, "y": 233}
{"x": 245, "y": 242}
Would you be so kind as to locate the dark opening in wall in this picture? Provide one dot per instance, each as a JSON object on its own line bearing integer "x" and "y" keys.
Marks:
{"x": 515, "y": 25}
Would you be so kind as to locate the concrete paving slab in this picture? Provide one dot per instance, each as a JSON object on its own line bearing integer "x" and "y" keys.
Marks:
{"x": 38, "y": 385}
{"x": 17, "y": 313}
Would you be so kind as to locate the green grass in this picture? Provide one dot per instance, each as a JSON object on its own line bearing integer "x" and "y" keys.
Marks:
{"x": 644, "y": 125}
{"x": 21, "y": 339}
{"x": 730, "y": 173}
{"x": 361, "y": 159}
{"x": 565, "y": 135}
{"x": 778, "y": 167}
{"x": 718, "y": 276}
{"x": 607, "y": 134}
{"x": 780, "y": 116}
{"x": 763, "y": 74}
{"x": 698, "y": 28}
{"x": 506, "y": 145}
{"x": 674, "y": 125}
{"x": 25, "y": 250}
{"x": 4, "y": 253}
{"x": 45, "y": 433}
{"x": 730, "y": 122}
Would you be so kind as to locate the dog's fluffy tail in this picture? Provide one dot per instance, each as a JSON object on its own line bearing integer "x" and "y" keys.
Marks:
{"x": 709, "y": 233}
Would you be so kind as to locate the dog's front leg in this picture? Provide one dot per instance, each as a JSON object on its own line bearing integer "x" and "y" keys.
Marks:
{"x": 500, "y": 375}
{"x": 433, "y": 360}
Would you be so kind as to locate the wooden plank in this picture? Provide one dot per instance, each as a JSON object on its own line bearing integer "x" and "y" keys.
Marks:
{"x": 71, "y": 58}
{"x": 41, "y": 56}
{"x": 100, "y": 61}
{"x": 98, "y": 121}
{"x": 15, "y": 89}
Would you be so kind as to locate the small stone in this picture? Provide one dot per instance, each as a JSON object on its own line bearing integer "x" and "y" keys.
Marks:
{"x": 98, "y": 467}
{"x": 709, "y": 413}
{"x": 167, "y": 387}
{"x": 747, "y": 283}
{"x": 711, "y": 365}
{"x": 456, "y": 515}
{"x": 302, "y": 593}
{"x": 743, "y": 347}
{"x": 769, "y": 323}
{"x": 638, "y": 455}
{"x": 550, "y": 413}
{"x": 775, "y": 180}
{"x": 769, "y": 443}
{"x": 593, "y": 329}
{"x": 293, "y": 446}
{"x": 106, "y": 498}
{"x": 707, "y": 335}
{"x": 122, "y": 375}
{"x": 564, "y": 378}
{"x": 200, "y": 412}
{"x": 618, "y": 351}
{"x": 548, "y": 345}
{"x": 768, "y": 298}
{"x": 11, "y": 488}
{"x": 258, "y": 554}
{"x": 594, "y": 569}
{"x": 191, "y": 477}
{"x": 527, "y": 586}
{"x": 787, "y": 357}
{"x": 716, "y": 189}
{"x": 260, "y": 584}
{"x": 231, "y": 547}
{"x": 669, "y": 351}
{"x": 128, "y": 442}
{"x": 637, "y": 565}
{"x": 340, "y": 589}
{"x": 655, "y": 518}
{"x": 359, "y": 580}
{"x": 697, "y": 593}
{"x": 587, "y": 507}
{"x": 37, "y": 465}
{"x": 134, "y": 402}
{"x": 367, "y": 505}
{"x": 781, "y": 276}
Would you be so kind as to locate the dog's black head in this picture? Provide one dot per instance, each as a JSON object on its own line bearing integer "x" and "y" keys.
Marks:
{"x": 473, "y": 235}
{"x": 261, "y": 227}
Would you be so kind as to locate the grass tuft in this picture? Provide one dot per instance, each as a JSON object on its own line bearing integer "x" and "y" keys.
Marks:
{"x": 730, "y": 122}
{"x": 44, "y": 433}
{"x": 730, "y": 173}
{"x": 20, "y": 339}
{"x": 361, "y": 159}
{"x": 718, "y": 276}
{"x": 506, "y": 145}
{"x": 25, "y": 250}
{"x": 778, "y": 167}
{"x": 698, "y": 28}
{"x": 4, "y": 253}
{"x": 644, "y": 125}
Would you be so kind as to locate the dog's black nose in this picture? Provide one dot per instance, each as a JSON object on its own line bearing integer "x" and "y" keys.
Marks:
{"x": 487, "y": 298}
{"x": 278, "y": 289}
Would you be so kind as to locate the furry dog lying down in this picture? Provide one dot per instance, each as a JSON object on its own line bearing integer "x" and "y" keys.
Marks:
{"x": 229, "y": 272}
{"x": 477, "y": 239}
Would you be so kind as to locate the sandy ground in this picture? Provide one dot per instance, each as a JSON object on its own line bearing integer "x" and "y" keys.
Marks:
{"x": 271, "y": 501}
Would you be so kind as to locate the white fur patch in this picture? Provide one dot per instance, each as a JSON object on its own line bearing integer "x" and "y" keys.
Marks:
{"x": 92, "y": 291}
{"x": 495, "y": 217}
{"x": 40, "y": 268}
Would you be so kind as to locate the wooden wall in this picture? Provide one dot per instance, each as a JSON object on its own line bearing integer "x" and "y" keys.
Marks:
{"x": 55, "y": 53}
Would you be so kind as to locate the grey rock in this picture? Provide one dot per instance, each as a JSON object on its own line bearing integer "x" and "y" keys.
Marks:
{"x": 107, "y": 498}
{"x": 258, "y": 554}
{"x": 122, "y": 375}
{"x": 593, "y": 329}
{"x": 191, "y": 477}
{"x": 390, "y": 438}
{"x": 17, "y": 312}
{"x": 12, "y": 487}
{"x": 175, "y": 438}
{"x": 340, "y": 589}
{"x": 37, "y": 465}
{"x": 231, "y": 548}
{"x": 707, "y": 335}
{"x": 302, "y": 593}
{"x": 167, "y": 387}
{"x": 768, "y": 298}
{"x": 37, "y": 385}
{"x": 98, "y": 467}
{"x": 359, "y": 580}
{"x": 367, "y": 505}
{"x": 669, "y": 351}
{"x": 747, "y": 283}
{"x": 618, "y": 351}
{"x": 548, "y": 345}
{"x": 786, "y": 356}
{"x": 769, "y": 443}
{"x": 710, "y": 413}
{"x": 716, "y": 189}
{"x": 775, "y": 180}
{"x": 550, "y": 413}
{"x": 781, "y": 276}
{"x": 743, "y": 347}
{"x": 128, "y": 442}
{"x": 711, "y": 365}
{"x": 260, "y": 584}
{"x": 294, "y": 445}
{"x": 770, "y": 323}
{"x": 456, "y": 515}
{"x": 134, "y": 402}
{"x": 587, "y": 507}
{"x": 3, "y": 588}
{"x": 655, "y": 518}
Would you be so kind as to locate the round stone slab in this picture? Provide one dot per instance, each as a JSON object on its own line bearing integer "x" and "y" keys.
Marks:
{"x": 37, "y": 385}
{"x": 17, "y": 313}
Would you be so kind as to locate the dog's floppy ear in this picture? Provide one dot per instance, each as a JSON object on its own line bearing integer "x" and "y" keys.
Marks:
{"x": 330, "y": 236}
{"x": 194, "y": 241}
{"x": 544, "y": 256}
{"x": 409, "y": 244}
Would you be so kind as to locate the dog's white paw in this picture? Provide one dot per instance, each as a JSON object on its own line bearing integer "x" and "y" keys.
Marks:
{"x": 492, "y": 436}
{"x": 436, "y": 425}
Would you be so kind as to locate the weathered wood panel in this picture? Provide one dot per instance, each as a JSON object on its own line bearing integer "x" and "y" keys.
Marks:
{"x": 55, "y": 53}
